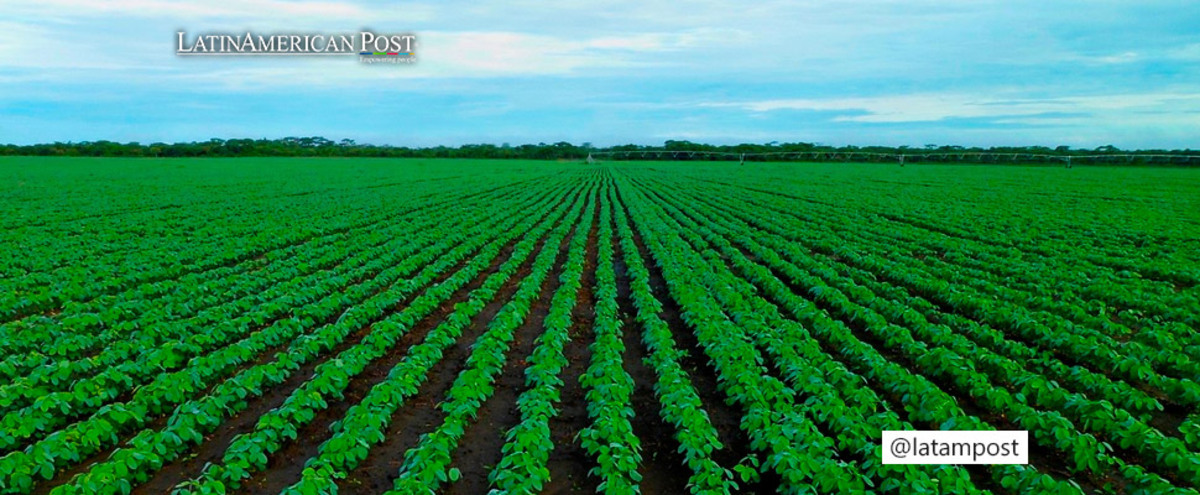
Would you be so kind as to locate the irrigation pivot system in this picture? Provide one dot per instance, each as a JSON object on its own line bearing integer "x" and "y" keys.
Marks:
{"x": 901, "y": 158}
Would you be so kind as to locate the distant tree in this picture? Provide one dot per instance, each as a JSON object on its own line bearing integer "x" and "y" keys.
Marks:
{"x": 320, "y": 146}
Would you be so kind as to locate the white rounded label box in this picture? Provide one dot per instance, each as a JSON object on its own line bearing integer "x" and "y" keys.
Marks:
{"x": 956, "y": 447}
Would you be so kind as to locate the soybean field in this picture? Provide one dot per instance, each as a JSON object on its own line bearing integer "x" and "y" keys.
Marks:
{"x": 304, "y": 326}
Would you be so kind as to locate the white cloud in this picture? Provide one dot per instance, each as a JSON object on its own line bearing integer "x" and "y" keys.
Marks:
{"x": 42, "y": 47}
{"x": 1116, "y": 58}
{"x": 936, "y": 107}
{"x": 492, "y": 53}
{"x": 441, "y": 54}
{"x": 504, "y": 53}
{"x": 1190, "y": 52}
{"x": 217, "y": 9}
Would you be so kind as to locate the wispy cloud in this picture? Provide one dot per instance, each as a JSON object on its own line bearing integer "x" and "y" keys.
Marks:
{"x": 443, "y": 54}
{"x": 937, "y": 107}
{"x": 238, "y": 10}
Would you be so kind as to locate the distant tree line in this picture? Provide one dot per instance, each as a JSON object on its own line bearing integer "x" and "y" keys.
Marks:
{"x": 321, "y": 147}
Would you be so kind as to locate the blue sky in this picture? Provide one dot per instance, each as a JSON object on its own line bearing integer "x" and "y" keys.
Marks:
{"x": 893, "y": 72}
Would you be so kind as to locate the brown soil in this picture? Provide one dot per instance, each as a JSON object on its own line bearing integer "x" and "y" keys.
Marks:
{"x": 569, "y": 463}
{"x": 216, "y": 443}
{"x": 421, "y": 413}
{"x": 479, "y": 450}
{"x": 285, "y": 466}
{"x": 725, "y": 418}
{"x": 663, "y": 467}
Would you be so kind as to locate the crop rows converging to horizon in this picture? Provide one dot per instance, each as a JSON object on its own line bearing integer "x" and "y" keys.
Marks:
{"x": 308, "y": 326}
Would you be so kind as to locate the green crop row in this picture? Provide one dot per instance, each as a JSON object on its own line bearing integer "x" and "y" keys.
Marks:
{"x": 609, "y": 388}
{"x": 249, "y": 452}
{"x": 194, "y": 418}
{"x": 427, "y": 465}
{"x": 523, "y": 467}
